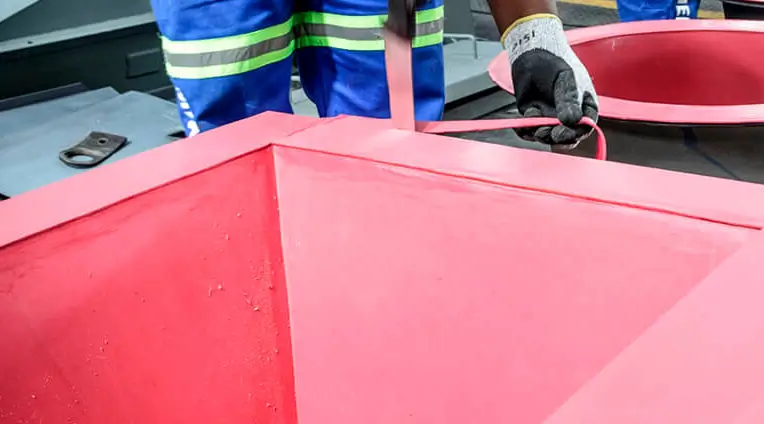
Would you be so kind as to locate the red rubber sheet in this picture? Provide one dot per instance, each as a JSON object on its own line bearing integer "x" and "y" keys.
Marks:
{"x": 676, "y": 72}
{"x": 284, "y": 269}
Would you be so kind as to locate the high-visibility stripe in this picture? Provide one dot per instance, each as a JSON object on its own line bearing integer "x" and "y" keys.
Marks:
{"x": 227, "y": 43}
{"x": 222, "y": 70}
{"x": 224, "y": 56}
{"x": 362, "y": 33}
{"x": 219, "y": 57}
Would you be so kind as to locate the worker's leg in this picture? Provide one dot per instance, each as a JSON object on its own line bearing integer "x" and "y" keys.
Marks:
{"x": 228, "y": 59}
{"x": 648, "y": 10}
{"x": 342, "y": 61}
{"x": 644, "y": 10}
{"x": 686, "y": 9}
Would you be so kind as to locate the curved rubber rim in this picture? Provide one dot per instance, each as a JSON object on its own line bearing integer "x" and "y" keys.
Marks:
{"x": 628, "y": 110}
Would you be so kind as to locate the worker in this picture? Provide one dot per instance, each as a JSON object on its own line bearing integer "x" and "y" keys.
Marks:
{"x": 231, "y": 59}
{"x": 652, "y": 10}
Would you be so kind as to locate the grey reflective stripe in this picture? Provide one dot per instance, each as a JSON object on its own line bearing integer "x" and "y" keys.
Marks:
{"x": 324, "y": 30}
{"x": 225, "y": 57}
{"x": 361, "y": 34}
{"x": 427, "y": 28}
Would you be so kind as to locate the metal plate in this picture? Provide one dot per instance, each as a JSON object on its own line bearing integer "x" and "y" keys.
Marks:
{"x": 29, "y": 159}
{"x": 94, "y": 149}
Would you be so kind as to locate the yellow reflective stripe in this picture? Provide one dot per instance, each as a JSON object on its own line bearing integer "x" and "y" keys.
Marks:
{"x": 429, "y": 15}
{"x": 320, "y": 18}
{"x": 213, "y": 71}
{"x": 362, "y": 33}
{"x": 224, "y": 56}
{"x": 226, "y": 43}
{"x": 372, "y": 21}
{"x": 364, "y": 45}
{"x": 427, "y": 40}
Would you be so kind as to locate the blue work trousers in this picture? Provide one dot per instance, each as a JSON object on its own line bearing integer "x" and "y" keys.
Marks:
{"x": 231, "y": 59}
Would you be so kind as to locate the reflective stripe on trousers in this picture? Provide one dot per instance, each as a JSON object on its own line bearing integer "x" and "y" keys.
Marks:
{"x": 219, "y": 57}
{"x": 362, "y": 33}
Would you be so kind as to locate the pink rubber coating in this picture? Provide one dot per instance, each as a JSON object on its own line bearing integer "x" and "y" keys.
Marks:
{"x": 400, "y": 81}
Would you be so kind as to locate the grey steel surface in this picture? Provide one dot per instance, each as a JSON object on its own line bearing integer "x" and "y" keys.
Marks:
{"x": 128, "y": 59}
{"x": 29, "y": 159}
{"x": 9, "y": 8}
{"x": 480, "y": 6}
{"x": 715, "y": 5}
{"x": 458, "y": 17}
{"x": 52, "y": 15}
{"x": 98, "y": 43}
{"x": 29, "y": 117}
{"x": 465, "y": 75}
{"x": 42, "y": 96}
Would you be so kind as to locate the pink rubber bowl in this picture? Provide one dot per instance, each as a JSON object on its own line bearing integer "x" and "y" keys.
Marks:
{"x": 703, "y": 72}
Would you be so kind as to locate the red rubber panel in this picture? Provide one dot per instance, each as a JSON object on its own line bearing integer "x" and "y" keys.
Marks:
{"x": 677, "y": 72}
{"x": 290, "y": 270}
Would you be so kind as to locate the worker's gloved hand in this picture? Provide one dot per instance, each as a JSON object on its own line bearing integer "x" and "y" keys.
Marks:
{"x": 549, "y": 80}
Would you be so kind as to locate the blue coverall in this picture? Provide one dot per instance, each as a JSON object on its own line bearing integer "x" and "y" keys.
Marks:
{"x": 647, "y": 10}
{"x": 231, "y": 59}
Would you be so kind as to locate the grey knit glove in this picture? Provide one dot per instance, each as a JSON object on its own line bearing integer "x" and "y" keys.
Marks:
{"x": 549, "y": 80}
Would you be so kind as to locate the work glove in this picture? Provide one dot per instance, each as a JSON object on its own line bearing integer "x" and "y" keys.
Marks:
{"x": 549, "y": 80}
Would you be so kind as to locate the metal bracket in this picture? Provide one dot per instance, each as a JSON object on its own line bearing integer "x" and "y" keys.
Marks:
{"x": 468, "y": 37}
{"x": 94, "y": 149}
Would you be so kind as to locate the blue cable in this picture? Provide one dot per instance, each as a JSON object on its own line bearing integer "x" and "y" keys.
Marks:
{"x": 691, "y": 142}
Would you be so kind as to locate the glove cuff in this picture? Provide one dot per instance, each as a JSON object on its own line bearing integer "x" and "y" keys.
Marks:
{"x": 540, "y": 31}
{"x": 526, "y": 19}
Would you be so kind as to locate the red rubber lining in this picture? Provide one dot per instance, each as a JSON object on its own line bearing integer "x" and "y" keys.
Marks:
{"x": 678, "y": 72}
{"x": 342, "y": 271}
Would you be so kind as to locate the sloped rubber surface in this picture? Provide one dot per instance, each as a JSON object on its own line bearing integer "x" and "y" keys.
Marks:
{"x": 452, "y": 301}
